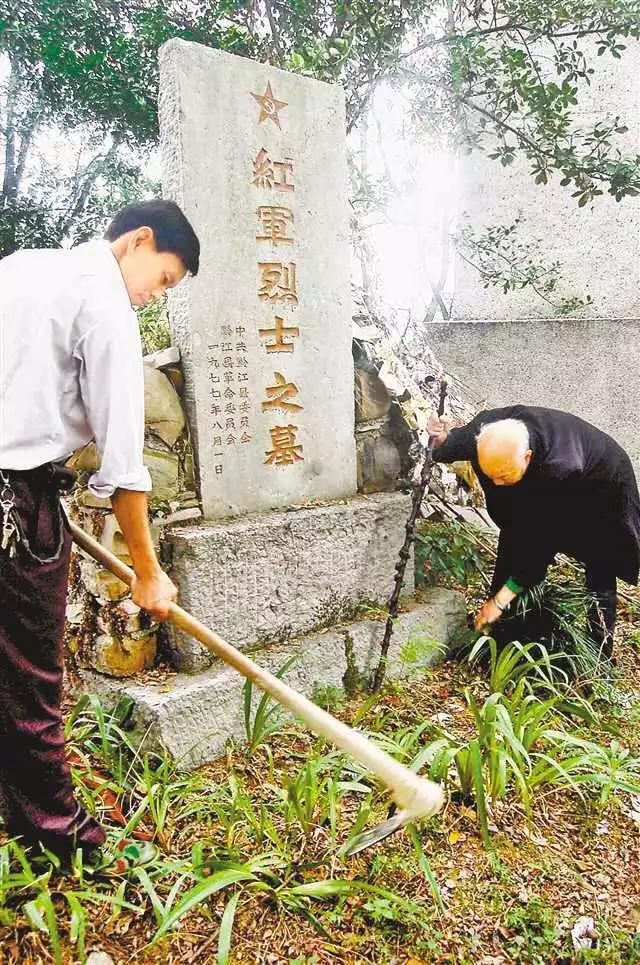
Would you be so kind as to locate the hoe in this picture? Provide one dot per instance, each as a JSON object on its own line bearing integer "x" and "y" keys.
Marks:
{"x": 414, "y": 796}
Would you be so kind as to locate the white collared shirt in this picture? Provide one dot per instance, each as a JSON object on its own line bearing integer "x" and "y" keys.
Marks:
{"x": 71, "y": 364}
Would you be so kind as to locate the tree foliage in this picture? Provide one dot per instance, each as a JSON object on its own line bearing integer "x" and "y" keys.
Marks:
{"x": 87, "y": 67}
{"x": 504, "y": 76}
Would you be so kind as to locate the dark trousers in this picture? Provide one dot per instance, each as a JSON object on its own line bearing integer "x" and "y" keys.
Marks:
{"x": 36, "y": 793}
{"x": 601, "y": 582}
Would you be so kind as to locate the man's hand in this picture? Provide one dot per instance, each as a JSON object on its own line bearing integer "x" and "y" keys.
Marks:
{"x": 487, "y": 614}
{"x": 438, "y": 429}
{"x": 151, "y": 589}
{"x": 154, "y": 593}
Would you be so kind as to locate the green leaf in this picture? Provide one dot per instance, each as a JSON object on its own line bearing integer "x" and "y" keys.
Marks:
{"x": 156, "y": 903}
{"x": 478, "y": 785}
{"x": 200, "y": 893}
{"x": 226, "y": 926}
{"x": 426, "y": 867}
{"x": 78, "y": 923}
{"x": 35, "y": 916}
{"x": 331, "y": 888}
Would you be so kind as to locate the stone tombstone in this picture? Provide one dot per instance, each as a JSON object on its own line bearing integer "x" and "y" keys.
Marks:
{"x": 256, "y": 157}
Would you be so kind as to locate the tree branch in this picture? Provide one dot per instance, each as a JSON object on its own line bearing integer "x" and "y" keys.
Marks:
{"x": 483, "y": 274}
{"x": 9, "y": 184}
{"x": 513, "y": 26}
{"x": 273, "y": 28}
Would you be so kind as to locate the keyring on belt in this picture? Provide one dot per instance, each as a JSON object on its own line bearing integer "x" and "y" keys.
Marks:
{"x": 12, "y": 531}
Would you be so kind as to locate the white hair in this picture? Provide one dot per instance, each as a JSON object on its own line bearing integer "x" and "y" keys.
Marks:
{"x": 512, "y": 428}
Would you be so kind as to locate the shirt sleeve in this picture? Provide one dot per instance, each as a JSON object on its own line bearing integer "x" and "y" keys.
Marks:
{"x": 526, "y": 554}
{"x": 112, "y": 389}
{"x": 460, "y": 444}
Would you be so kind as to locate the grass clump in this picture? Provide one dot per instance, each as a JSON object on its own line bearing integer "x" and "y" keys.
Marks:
{"x": 252, "y": 866}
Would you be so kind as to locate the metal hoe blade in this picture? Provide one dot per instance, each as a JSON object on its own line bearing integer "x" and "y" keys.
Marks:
{"x": 426, "y": 800}
{"x": 379, "y": 833}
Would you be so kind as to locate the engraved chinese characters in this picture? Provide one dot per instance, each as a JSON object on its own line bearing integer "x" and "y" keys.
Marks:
{"x": 277, "y": 284}
{"x": 257, "y": 159}
{"x": 229, "y": 392}
{"x": 272, "y": 174}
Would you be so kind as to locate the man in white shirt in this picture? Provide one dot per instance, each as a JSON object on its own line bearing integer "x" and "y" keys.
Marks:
{"x": 70, "y": 371}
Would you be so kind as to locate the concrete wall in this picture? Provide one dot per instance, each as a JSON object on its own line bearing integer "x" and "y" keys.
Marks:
{"x": 590, "y": 368}
{"x": 507, "y": 348}
{"x": 598, "y": 245}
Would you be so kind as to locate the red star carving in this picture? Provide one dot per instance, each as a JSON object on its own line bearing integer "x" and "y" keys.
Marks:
{"x": 269, "y": 106}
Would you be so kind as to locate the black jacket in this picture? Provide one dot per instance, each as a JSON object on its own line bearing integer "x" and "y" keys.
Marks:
{"x": 578, "y": 496}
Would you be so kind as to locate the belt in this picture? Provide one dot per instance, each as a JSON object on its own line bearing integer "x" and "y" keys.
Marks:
{"x": 53, "y": 476}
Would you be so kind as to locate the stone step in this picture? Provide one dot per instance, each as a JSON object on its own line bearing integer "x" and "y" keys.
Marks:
{"x": 193, "y": 716}
{"x": 269, "y": 577}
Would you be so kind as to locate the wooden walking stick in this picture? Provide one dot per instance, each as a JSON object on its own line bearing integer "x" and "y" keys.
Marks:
{"x": 403, "y": 556}
{"x": 416, "y": 796}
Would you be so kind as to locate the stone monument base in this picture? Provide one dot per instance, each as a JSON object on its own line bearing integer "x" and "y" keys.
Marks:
{"x": 193, "y": 716}
{"x": 265, "y": 578}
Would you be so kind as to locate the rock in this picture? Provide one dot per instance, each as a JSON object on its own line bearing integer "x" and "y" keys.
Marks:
{"x": 175, "y": 376}
{"x": 392, "y": 376}
{"x": 364, "y": 332}
{"x": 163, "y": 410}
{"x": 113, "y": 540}
{"x": 189, "y": 500}
{"x": 99, "y": 958}
{"x": 188, "y": 474}
{"x": 379, "y": 463}
{"x": 180, "y": 516}
{"x": 163, "y": 357}
{"x": 75, "y": 613}
{"x": 86, "y": 459}
{"x": 125, "y": 616}
{"x": 86, "y": 498}
{"x": 123, "y": 656}
{"x": 101, "y": 583}
{"x": 372, "y": 399}
{"x": 164, "y": 469}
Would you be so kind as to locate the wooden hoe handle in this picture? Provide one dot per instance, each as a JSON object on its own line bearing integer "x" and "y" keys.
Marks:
{"x": 416, "y": 795}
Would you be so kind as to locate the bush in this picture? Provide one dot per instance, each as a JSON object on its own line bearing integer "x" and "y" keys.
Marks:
{"x": 447, "y": 553}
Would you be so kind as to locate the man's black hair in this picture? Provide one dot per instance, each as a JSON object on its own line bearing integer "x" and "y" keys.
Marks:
{"x": 171, "y": 229}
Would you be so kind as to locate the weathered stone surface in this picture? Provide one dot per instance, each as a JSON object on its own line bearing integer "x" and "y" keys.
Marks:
{"x": 122, "y": 656}
{"x": 372, "y": 399}
{"x": 269, "y": 577}
{"x": 101, "y": 583}
{"x": 379, "y": 463}
{"x": 163, "y": 357}
{"x": 192, "y": 717}
{"x": 522, "y": 362}
{"x": 237, "y": 170}
{"x": 163, "y": 411}
{"x": 164, "y": 470}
